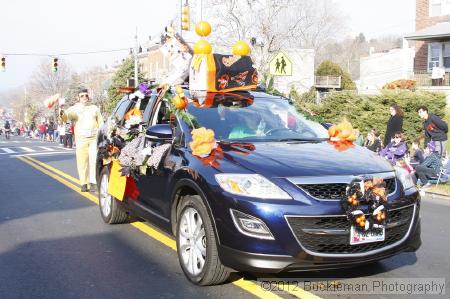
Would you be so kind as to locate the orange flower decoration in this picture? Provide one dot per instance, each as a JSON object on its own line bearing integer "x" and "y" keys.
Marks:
{"x": 203, "y": 142}
{"x": 342, "y": 145}
{"x": 133, "y": 112}
{"x": 342, "y": 132}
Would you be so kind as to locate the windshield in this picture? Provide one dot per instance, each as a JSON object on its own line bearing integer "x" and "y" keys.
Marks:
{"x": 260, "y": 119}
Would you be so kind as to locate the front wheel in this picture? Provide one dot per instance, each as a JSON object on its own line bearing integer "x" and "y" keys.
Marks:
{"x": 196, "y": 244}
{"x": 110, "y": 208}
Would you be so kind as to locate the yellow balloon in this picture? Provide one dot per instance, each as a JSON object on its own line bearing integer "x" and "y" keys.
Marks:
{"x": 202, "y": 47}
{"x": 203, "y": 28}
{"x": 241, "y": 48}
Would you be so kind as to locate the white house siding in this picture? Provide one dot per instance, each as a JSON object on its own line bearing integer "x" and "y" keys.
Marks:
{"x": 378, "y": 69}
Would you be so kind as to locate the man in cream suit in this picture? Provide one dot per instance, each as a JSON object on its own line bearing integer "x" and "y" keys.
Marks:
{"x": 87, "y": 119}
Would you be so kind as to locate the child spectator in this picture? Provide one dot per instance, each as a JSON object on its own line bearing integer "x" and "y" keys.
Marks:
{"x": 373, "y": 141}
{"x": 430, "y": 166}
{"x": 395, "y": 150}
{"x": 417, "y": 157}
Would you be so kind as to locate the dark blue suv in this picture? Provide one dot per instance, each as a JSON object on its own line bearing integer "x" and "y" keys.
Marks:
{"x": 267, "y": 199}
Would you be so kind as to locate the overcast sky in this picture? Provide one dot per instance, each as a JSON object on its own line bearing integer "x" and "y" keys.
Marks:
{"x": 63, "y": 26}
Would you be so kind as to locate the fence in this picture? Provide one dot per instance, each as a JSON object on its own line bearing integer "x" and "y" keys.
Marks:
{"x": 423, "y": 78}
{"x": 327, "y": 81}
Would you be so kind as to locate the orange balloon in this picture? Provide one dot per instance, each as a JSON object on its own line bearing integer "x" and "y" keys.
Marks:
{"x": 203, "y": 28}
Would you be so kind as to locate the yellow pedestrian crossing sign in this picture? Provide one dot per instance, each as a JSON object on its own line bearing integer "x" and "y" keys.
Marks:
{"x": 280, "y": 65}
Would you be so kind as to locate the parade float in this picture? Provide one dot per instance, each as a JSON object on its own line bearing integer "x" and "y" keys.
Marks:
{"x": 209, "y": 75}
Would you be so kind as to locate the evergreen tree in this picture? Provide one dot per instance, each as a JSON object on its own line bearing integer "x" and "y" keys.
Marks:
{"x": 125, "y": 72}
{"x": 71, "y": 94}
{"x": 329, "y": 68}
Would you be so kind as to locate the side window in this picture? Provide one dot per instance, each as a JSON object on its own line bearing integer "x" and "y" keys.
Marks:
{"x": 148, "y": 109}
{"x": 162, "y": 114}
{"x": 122, "y": 109}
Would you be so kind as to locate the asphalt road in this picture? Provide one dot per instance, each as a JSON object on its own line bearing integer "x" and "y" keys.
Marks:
{"x": 53, "y": 244}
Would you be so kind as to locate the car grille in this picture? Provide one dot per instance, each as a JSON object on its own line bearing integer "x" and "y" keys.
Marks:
{"x": 331, "y": 235}
{"x": 336, "y": 191}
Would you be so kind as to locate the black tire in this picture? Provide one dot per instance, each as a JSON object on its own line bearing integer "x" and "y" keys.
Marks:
{"x": 116, "y": 214}
{"x": 213, "y": 272}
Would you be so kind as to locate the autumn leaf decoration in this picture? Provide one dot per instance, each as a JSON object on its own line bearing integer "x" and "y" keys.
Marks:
{"x": 371, "y": 192}
{"x": 203, "y": 142}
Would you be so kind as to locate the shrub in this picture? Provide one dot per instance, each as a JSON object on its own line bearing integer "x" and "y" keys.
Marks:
{"x": 401, "y": 84}
{"x": 366, "y": 112}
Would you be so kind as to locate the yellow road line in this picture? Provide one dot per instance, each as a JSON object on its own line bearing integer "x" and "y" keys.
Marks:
{"x": 59, "y": 179}
{"x": 301, "y": 293}
{"x": 148, "y": 230}
{"x": 247, "y": 285}
{"x": 57, "y": 171}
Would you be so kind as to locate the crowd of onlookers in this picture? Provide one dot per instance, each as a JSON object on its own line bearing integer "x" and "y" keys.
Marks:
{"x": 423, "y": 164}
{"x": 48, "y": 131}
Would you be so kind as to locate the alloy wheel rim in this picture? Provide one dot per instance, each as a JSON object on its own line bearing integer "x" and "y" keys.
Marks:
{"x": 192, "y": 241}
{"x": 105, "y": 197}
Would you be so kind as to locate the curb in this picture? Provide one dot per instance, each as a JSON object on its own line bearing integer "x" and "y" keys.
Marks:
{"x": 434, "y": 195}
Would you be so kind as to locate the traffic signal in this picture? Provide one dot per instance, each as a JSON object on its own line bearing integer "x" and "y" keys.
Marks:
{"x": 3, "y": 63}
{"x": 55, "y": 64}
{"x": 185, "y": 17}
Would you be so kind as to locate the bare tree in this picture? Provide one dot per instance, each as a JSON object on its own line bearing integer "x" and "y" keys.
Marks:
{"x": 44, "y": 82}
{"x": 275, "y": 24}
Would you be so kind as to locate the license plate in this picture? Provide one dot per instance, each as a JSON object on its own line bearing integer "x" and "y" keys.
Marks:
{"x": 357, "y": 237}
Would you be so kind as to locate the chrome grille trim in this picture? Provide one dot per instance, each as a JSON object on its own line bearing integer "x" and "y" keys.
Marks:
{"x": 362, "y": 254}
{"x": 338, "y": 179}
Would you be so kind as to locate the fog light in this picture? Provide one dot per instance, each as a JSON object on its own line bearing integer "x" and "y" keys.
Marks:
{"x": 250, "y": 226}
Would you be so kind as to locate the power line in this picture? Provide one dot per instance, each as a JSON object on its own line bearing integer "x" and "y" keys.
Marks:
{"x": 68, "y": 53}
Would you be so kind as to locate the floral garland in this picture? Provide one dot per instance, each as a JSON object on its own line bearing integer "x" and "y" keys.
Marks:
{"x": 372, "y": 192}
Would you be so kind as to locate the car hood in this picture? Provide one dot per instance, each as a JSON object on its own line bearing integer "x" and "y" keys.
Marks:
{"x": 288, "y": 159}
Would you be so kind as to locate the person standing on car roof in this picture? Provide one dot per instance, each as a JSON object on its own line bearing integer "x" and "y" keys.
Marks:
{"x": 87, "y": 119}
{"x": 435, "y": 130}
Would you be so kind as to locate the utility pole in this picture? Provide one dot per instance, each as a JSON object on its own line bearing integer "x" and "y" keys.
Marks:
{"x": 136, "y": 83}
{"x": 181, "y": 18}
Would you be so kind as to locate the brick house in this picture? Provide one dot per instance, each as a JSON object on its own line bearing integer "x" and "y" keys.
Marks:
{"x": 432, "y": 39}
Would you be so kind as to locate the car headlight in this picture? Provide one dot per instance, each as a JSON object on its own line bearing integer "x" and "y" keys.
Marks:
{"x": 252, "y": 185}
{"x": 404, "y": 177}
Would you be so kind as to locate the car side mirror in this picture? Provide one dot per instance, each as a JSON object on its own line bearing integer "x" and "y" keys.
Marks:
{"x": 160, "y": 132}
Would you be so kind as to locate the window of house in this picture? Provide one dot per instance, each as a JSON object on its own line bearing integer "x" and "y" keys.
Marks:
{"x": 435, "y": 8}
{"x": 439, "y": 8}
{"x": 434, "y": 55}
{"x": 446, "y": 56}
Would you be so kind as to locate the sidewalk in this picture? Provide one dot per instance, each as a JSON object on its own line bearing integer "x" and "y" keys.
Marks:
{"x": 434, "y": 195}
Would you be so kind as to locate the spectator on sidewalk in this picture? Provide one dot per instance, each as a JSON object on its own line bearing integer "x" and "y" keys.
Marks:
{"x": 42, "y": 131}
{"x": 359, "y": 138}
{"x": 61, "y": 132}
{"x": 51, "y": 131}
{"x": 430, "y": 166}
{"x": 373, "y": 141}
{"x": 395, "y": 123}
{"x": 395, "y": 150}
{"x": 435, "y": 130}
{"x": 417, "y": 157}
{"x": 68, "y": 135}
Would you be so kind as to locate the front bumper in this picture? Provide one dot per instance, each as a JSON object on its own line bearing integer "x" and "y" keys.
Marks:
{"x": 266, "y": 263}
{"x": 292, "y": 251}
